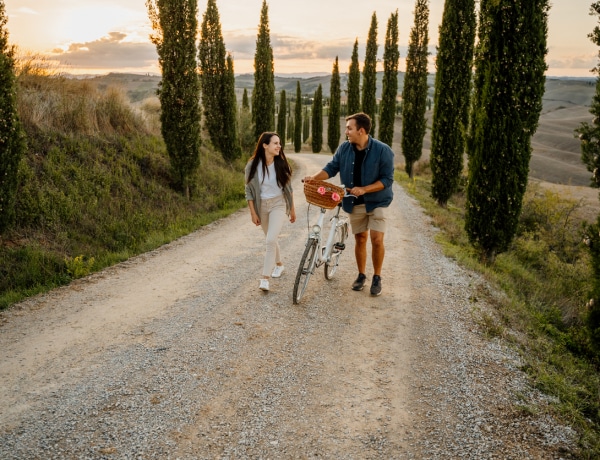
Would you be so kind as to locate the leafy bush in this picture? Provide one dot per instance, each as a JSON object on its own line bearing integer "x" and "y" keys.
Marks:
{"x": 79, "y": 266}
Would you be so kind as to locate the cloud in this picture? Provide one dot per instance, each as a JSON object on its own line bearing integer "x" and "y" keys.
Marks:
{"x": 288, "y": 47}
{"x": 573, "y": 62}
{"x": 241, "y": 45}
{"x": 108, "y": 53}
{"x": 114, "y": 51}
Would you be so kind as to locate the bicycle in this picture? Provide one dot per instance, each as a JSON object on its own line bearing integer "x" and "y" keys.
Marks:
{"x": 326, "y": 196}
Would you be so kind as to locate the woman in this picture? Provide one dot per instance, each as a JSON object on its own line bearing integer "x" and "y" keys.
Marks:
{"x": 270, "y": 198}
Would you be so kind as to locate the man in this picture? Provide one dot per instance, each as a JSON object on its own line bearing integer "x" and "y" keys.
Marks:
{"x": 366, "y": 168}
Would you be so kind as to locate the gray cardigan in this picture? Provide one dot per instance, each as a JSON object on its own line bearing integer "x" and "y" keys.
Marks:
{"x": 253, "y": 192}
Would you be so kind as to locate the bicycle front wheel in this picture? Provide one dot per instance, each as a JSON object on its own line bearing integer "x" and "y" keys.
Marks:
{"x": 341, "y": 233}
{"x": 305, "y": 269}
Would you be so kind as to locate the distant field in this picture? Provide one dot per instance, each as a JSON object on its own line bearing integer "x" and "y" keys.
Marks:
{"x": 556, "y": 152}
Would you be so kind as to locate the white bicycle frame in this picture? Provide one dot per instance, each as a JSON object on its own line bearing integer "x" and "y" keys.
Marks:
{"x": 317, "y": 232}
{"x": 316, "y": 254}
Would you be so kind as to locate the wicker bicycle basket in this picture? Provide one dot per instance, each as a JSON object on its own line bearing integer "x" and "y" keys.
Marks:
{"x": 323, "y": 194}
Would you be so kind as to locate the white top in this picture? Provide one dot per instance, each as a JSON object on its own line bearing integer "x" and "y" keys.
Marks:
{"x": 268, "y": 184}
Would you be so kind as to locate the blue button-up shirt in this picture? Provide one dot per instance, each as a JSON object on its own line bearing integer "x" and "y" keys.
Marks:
{"x": 378, "y": 165}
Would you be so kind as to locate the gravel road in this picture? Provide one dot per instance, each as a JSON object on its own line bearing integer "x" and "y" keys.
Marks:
{"x": 176, "y": 354}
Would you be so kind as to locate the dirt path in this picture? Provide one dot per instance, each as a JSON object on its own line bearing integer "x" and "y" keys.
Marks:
{"x": 178, "y": 354}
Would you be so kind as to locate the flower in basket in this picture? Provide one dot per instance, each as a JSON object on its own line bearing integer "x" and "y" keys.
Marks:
{"x": 321, "y": 190}
{"x": 335, "y": 197}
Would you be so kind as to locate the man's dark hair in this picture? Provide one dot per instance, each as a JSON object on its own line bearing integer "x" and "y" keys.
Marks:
{"x": 362, "y": 121}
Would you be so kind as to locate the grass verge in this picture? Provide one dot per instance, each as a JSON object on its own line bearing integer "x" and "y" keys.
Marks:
{"x": 546, "y": 278}
{"x": 88, "y": 202}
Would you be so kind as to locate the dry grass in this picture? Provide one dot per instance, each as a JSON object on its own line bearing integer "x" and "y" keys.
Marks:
{"x": 49, "y": 101}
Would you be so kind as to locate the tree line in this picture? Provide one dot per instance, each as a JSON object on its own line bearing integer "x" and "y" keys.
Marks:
{"x": 489, "y": 84}
{"x": 486, "y": 105}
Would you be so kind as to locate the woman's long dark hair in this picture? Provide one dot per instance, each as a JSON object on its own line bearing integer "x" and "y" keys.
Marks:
{"x": 283, "y": 171}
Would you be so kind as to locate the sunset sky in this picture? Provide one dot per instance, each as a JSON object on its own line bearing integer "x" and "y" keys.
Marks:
{"x": 101, "y": 36}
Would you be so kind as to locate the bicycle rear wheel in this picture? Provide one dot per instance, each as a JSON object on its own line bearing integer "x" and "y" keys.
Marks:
{"x": 341, "y": 233}
{"x": 305, "y": 269}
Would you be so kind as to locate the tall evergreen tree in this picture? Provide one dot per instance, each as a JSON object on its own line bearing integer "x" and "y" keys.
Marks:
{"x": 211, "y": 56}
{"x": 175, "y": 28}
{"x": 508, "y": 88}
{"x": 246, "y": 130}
{"x": 306, "y": 126}
{"x": 369, "y": 89}
{"x": 451, "y": 99}
{"x": 281, "y": 116}
{"x": 354, "y": 82}
{"x": 391, "y": 56}
{"x": 263, "y": 95}
{"x": 298, "y": 119}
{"x": 12, "y": 135}
{"x": 290, "y": 128}
{"x": 414, "y": 93}
{"x": 231, "y": 137}
{"x": 333, "y": 120}
{"x": 218, "y": 91}
{"x": 317, "y": 121}
{"x": 245, "y": 101}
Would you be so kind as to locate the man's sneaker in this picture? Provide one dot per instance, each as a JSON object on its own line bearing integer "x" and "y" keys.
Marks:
{"x": 376, "y": 285}
{"x": 264, "y": 284}
{"x": 277, "y": 271}
{"x": 359, "y": 284}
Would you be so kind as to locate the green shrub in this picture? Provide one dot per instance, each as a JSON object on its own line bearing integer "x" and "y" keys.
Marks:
{"x": 79, "y": 266}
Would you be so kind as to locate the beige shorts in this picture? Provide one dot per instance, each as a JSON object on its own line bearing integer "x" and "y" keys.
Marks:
{"x": 361, "y": 220}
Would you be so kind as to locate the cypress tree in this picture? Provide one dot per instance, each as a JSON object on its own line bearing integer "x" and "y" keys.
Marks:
{"x": 212, "y": 55}
{"x": 317, "y": 121}
{"x": 298, "y": 119}
{"x": 175, "y": 26}
{"x": 263, "y": 96}
{"x": 333, "y": 120}
{"x": 12, "y": 135}
{"x": 451, "y": 99}
{"x": 306, "y": 126}
{"x": 391, "y": 56}
{"x": 246, "y": 130}
{"x": 281, "y": 117}
{"x": 354, "y": 82}
{"x": 369, "y": 90}
{"x": 290, "y": 129}
{"x": 414, "y": 93}
{"x": 245, "y": 101}
{"x": 508, "y": 88}
{"x": 231, "y": 139}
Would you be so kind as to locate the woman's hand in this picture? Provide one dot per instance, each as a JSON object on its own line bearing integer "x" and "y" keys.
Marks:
{"x": 255, "y": 218}
{"x": 293, "y": 215}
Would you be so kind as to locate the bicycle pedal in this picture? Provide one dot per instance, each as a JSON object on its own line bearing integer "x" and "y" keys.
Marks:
{"x": 339, "y": 246}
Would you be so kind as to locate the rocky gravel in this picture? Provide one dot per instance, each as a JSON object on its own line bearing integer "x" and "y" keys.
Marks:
{"x": 177, "y": 354}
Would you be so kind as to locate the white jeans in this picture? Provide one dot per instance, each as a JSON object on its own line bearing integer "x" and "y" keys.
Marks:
{"x": 272, "y": 218}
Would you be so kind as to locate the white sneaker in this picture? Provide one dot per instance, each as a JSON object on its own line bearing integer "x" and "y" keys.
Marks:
{"x": 277, "y": 271}
{"x": 264, "y": 284}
